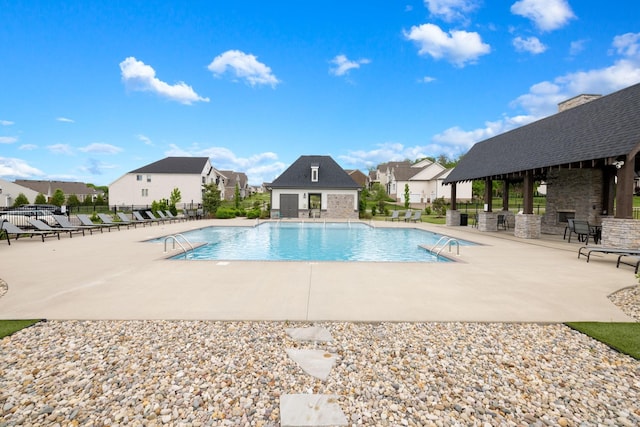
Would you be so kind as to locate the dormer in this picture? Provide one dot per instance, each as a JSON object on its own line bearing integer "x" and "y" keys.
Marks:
{"x": 314, "y": 172}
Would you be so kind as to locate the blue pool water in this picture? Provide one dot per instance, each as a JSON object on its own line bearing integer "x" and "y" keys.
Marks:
{"x": 289, "y": 241}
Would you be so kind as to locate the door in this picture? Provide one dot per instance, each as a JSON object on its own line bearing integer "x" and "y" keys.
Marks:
{"x": 288, "y": 206}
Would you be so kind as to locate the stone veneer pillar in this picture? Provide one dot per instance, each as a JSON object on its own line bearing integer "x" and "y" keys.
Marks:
{"x": 453, "y": 218}
{"x": 620, "y": 232}
{"x": 487, "y": 221}
{"x": 527, "y": 226}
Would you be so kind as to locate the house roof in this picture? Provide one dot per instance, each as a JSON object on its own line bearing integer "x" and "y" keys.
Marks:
{"x": 330, "y": 174}
{"x": 601, "y": 129}
{"x": 179, "y": 165}
{"x": 67, "y": 187}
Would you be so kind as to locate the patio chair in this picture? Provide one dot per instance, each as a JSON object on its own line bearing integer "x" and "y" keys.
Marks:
{"x": 407, "y": 216}
{"x": 43, "y": 226}
{"x": 588, "y": 250}
{"x": 138, "y": 217}
{"x": 502, "y": 222}
{"x": 177, "y": 218}
{"x": 64, "y": 222}
{"x": 7, "y": 228}
{"x": 416, "y": 216}
{"x": 124, "y": 219}
{"x": 164, "y": 217}
{"x": 85, "y": 220}
{"x": 570, "y": 228}
{"x": 107, "y": 219}
{"x": 394, "y": 216}
{"x": 630, "y": 260}
{"x": 154, "y": 218}
{"x": 584, "y": 231}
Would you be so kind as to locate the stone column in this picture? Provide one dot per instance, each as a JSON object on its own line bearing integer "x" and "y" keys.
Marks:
{"x": 527, "y": 226}
{"x": 453, "y": 218}
{"x": 620, "y": 233}
{"x": 487, "y": 221}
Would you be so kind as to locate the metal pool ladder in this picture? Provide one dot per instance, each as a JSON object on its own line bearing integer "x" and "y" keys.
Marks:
{"x": 447, "y": 241}
{"x": 174, "y": 239}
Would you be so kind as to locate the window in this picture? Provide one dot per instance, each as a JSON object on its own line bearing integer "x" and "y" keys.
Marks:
{"x": 204, "y": 179}
{"x": 314, "y": 173}
{"x": 138, "y": 177}
{"x": 145, "y": 192}
{"x": 148, "y": 178}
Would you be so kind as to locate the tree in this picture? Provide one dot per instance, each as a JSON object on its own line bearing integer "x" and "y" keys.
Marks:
{"x": 236, "y": 196}
{"x": 73, "y": 201}
{"x": 20, "y": 200}
{"x": 40, "y": 199}
{"x": 58, "y": 197}
{"x": 210, "y": 198}
{"x": 175, "y": 197}
{"x": 379, "y": 196}
{"x": 99, "y": 200}
{"x": 407, "y": 196}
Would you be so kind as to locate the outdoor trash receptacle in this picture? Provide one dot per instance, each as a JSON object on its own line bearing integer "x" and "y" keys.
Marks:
{"x": 464, "y": 219}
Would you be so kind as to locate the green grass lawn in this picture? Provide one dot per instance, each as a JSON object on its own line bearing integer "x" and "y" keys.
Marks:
{"x": 8, "y": 327}
{"x": 624, "y": 337}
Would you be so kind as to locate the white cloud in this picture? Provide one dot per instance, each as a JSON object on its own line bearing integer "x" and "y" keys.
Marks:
{"x": 627, "y": 44}
{"x": 547, "y": 15}
{"x": 243, "y": 66}
{"x": 6, "y": 123}
{"x": 95, "y": 167}
{"x": 28, "y": 147}
{"x": 343, "y": 65}
{"x": 17, "y": 168}
{"x": 458, "y": 47}
{"x": 530, "y": 44}
{"x": 65, "y": 120}
{"x": 139, "y": 76}
{"x": 8, "y": 139}
{"x": 576, "y": 46}
{"x": 145, "y": 139}
{"x": 60, "y": 149}
{"x": 427, "y": 79}
{"x": 100, "y": 148}
{"x": 261, "y": 167}
{"x": 451, "y": 10}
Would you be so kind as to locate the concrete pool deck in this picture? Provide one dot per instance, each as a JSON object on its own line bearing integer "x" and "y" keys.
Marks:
{"x": 116, "y": 275}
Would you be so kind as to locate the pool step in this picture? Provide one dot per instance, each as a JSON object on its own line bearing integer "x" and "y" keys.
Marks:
{"x": 311, "y": 410}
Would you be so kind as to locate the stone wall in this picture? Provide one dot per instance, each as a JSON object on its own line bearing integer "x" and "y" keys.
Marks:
{"x": 620, "y": 233}
{"x": 527, "y": 226}
{"x": 340, "y": 206}
{"x": 577, "y": 192}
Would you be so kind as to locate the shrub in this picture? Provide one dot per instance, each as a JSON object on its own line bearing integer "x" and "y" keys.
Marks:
{"x": 225, "y": 213}
{"x": 253, "y": 214}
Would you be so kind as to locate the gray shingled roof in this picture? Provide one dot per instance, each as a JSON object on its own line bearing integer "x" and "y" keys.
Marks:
{"x": 186, "y": 165}
{"x": 330, "y": 174}
{"x": 604, "y": 128}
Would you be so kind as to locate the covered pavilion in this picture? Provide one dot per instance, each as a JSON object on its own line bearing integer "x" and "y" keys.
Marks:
{"x": 586, "y": 154}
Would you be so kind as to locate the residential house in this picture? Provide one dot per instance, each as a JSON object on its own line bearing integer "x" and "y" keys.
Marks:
{"x": 314, "y": 186}
{"x": 361, "y": 179}
{"x": 424, "y": 178}
{"x": 48, "y": 188}
{"x": 10, "y": 190}
{"x": 156, "y": 181}
{"x": 236, "y": 179}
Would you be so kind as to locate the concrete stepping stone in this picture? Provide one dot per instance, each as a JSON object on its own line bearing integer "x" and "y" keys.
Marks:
{"x": 317, "y": 363}
{"x": 312, "y": 333}
{"x": 310, "y": 410}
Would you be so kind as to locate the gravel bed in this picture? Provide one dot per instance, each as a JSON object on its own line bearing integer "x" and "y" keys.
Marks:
{"x": 201, "y": 373}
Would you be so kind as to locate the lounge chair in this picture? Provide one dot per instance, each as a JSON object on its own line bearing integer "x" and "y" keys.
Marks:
{"x": 64, "y": 222}
{"x": 588, "y": 250}
{"x": 177, "y": 218}
{"x": 584, "y": 231}
{"x": 407, "y": 216}
{"x": 164, "y": 217}
{"x": 138, "y": 217}
{"x": 85, "y": 220}
{"x": 124, "y": 219}
{"x": 155, "y": 218}
{"x": 416, "y": 216}
{"x": 7, "y": 228}
{"x": 394, "y": 216}
{"x": 107, "y": 219}
{"x": 43, "y": 226}
{"x": 631, "y": 260}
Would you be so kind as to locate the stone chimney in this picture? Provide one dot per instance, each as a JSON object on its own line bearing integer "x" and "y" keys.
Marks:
{"x": 575, "y": 101}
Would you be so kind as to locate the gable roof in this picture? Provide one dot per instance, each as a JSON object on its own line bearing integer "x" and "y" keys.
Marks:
{"x": 330, "y": 174}
{"x": 180, "y": 165}
{"x": 67, "y": 187}
{"x": 601, "y": 129}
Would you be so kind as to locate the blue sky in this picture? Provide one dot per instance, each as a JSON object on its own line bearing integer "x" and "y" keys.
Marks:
{"x": 90, "y": 90}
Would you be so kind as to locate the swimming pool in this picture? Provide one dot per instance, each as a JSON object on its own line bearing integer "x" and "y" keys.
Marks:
{"x": 293, "y": 241}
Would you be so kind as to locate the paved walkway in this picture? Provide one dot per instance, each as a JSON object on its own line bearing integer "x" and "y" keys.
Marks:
{"x": 116, "y": 275}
